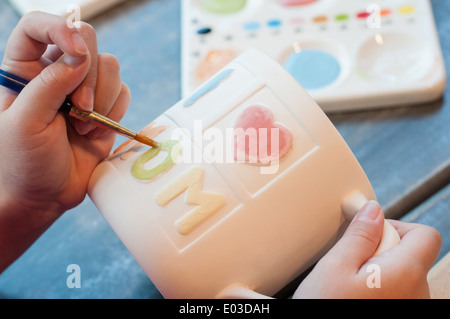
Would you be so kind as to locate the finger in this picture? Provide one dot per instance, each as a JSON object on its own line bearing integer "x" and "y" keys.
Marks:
{"x": 7, "y": 97}
{"x": 36, "y": 30}
{"x": 109, "y": 86}
{"x": 122, "y": 104}
{"x": 39, "y": 102}
{"x": 117, "y": 112}
{"x": 24, "y": 56}
{"x": 107, "y": 90}
{"x": 52, "y": 53}
{"x": 420, "y": 244}
{"x": 83, "y": 97}
{"x": 29, "y": 41}
{"x": 361, "y": 239}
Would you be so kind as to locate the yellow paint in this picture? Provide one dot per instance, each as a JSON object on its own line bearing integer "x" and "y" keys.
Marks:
{"x": 407, "y": 9}
{"x": 207, "y": 203}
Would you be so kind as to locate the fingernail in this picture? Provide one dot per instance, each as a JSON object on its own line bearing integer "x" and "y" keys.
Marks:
{"x": 86, "y": 101}
{"x": 79, "y": 44}
{"x": 369, "y": 212}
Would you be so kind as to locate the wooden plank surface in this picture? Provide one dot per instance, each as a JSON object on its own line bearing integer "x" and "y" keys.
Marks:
{"x": 439, "y": 279}
{"x": 435, "y": 212}
{"x": 404, "y": 151}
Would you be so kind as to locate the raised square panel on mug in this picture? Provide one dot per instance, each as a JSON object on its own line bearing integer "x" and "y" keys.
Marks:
{"x": 129, "y": 179}
{"x": 182, "y": 198}
{"x": 191, "y": 201}
{"x": 256, "y": 177}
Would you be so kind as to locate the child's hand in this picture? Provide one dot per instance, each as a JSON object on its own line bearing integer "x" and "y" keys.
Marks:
{"x": 350, "y": 271}
{"x": 46, "y": 160}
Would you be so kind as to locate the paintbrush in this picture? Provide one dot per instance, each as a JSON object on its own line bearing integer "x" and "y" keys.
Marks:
{"x": 16, "y": 84}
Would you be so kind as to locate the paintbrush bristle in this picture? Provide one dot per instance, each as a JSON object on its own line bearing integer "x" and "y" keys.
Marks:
{"x": 145, "y": 140}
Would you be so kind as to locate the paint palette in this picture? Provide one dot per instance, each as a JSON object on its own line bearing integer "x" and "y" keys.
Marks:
{"x": 88, "y": 8}
{"x": 348, "y": 55}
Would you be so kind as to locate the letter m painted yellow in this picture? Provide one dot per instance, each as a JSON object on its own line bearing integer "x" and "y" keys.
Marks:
{"x": 207, "y": 203}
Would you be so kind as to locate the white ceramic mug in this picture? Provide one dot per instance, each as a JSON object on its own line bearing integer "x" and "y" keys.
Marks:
{"x": 202, "y": 224}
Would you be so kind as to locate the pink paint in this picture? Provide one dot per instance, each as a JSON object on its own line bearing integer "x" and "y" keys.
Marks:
{"x": 258, "y": 138}
{"x": 295, "y": 2}
{"x": 297, "y": 20}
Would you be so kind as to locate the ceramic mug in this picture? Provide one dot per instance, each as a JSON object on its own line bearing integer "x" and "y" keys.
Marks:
{"x": 214, "y": 214}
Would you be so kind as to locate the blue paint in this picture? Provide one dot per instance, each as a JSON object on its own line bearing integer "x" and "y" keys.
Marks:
{"x": 274, "y": 23}
{"x": 204, "y": 30}
{"x": 209, "y": 86}
{"x": 252, "y": 26}
{"x": 313, "y": 69}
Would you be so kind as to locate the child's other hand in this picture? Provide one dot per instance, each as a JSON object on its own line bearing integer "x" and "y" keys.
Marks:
{"x": 46, "y": 160}
{"x": 350, "y": 271}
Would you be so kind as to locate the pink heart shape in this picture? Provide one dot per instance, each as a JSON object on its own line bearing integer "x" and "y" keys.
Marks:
{"x": 257, "y": 134}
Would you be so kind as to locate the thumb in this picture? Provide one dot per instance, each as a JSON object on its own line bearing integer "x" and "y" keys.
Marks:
{"x": 362, "y": 237}
{"x": 40, "y": 100}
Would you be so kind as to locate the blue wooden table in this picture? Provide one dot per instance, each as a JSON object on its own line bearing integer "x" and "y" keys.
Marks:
{"x": 405, "y": 152}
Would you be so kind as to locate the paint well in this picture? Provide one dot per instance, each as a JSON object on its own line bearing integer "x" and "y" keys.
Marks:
{"x": 363, "y": 15}
{"x": 223, "y": 6}
{"x": 204, "y": 30}
{"x": 406, "y": 9}
{"x": 295, "y": 2}
{"x": 342, "y": 17}
{"x": 313, "y": 69}
{"x": 395, "y": 58}
{"x": 212, "y": 63}
{"x": 385, "y": 12}
{"x": 297, "y": 20}
{"x": 252, "y": 26}
{"x": 274, "y": 23}
{"x": 320, "y": 19}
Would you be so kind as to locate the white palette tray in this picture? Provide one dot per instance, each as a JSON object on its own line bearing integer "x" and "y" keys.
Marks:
{"x": 348, "y": 55}
{"x": 88, "y": 8}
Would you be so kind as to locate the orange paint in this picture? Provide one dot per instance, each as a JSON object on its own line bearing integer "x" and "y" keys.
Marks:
{"x": 385, "y": 12}
{"x": 320, "y": 19}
